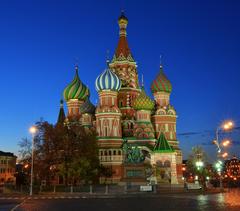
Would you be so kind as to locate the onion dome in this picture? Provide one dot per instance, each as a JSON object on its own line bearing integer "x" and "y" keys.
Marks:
{"x": 108, "y": 80}
{"x": 161, "y": 83}
{"x": 143, "y": 102}
{"x": 76, "y": 89}
{"x": 87, "y": 107}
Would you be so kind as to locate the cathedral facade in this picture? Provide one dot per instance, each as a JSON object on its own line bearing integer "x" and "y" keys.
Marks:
{"x": 136, "y": 135}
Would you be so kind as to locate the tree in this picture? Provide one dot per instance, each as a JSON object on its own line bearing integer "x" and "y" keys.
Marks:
{"x": 62, "y": 150}
{"x": 79, "y": 155}
{"x": 198, "y": 154}
{"x": 25, "y": 151}
{"x": 105, "y": 171}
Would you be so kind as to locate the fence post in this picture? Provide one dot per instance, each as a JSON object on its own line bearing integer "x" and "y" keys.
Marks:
{"x": 91, "y": 189}
{"x": 106, "y": 189}
{"x": 125, "y": 188}
{"x": 155, "y": 188}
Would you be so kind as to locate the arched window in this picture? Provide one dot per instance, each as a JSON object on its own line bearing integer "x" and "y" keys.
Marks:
{"x": 161, "y": 112}
{"x": 119, "y": 152}
{"x": 115, "y": 128}
{"x": 131, "y": 125}
{"x": 167, "y": 163}
{"x": 105, "y": 126}
{"x": 114, "y": 152}
{"x": 171, "y": 112}
{"x": 120, "y": 103}
{"x": 159, "y": 163}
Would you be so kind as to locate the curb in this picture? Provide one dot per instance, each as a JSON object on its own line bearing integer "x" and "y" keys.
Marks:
{"x": 121, "y": 195}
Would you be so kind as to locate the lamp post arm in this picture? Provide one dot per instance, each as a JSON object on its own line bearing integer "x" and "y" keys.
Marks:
{"x": 217, "y": 140}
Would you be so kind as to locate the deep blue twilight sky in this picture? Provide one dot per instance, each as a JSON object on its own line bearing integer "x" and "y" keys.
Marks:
{"x": 199, "y": 41}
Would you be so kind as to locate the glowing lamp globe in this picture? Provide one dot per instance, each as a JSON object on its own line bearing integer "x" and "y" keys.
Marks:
{"x": 33, "y": 130}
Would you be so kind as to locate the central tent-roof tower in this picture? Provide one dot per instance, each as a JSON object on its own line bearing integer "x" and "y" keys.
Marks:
{"x": 125, "y": 68}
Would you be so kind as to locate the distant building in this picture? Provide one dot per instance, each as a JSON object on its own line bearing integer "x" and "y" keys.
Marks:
{"x": 232, "y": 169}
{"x": 7, "y": 167}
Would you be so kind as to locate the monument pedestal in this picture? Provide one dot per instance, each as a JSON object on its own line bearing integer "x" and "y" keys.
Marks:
{"x": 134, "y": 174}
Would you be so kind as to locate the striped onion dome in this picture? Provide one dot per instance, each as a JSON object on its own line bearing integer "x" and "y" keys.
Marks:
{"x": 108, "y": 80}
{"x": 76, "y": 89}
{"x": 161, "y": 83}
{"x": 143, "y": 102}
{"x": 87, "y": 107}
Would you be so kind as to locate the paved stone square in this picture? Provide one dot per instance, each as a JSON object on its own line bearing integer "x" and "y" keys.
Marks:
{"x": 222, "y": 201}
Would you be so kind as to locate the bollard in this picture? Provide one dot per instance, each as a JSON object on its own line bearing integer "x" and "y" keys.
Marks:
{"x": 155, "y": 188}
{"x": 54, "y": 189}
{"x": 71, "y": 189}
{"x": 91, "y": 189}
{"x": 125, "y": 188}
{"x": 106, "y": 189}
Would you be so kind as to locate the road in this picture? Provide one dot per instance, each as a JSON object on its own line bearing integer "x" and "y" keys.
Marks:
{"x": 229, "y": 201}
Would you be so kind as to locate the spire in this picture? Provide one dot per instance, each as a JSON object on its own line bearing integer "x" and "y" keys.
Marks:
{"x": 76, "y": 68}
{"x": 76, "y": 64}
{"x": 122, "y": 48}
{"x": 61, "y": 115}
{"x": 161, "y": 62}
{"x": 107, "y": 59}
{"x": 122, "y": 22}
{"x": 162, "y": 145}
{"x": 161, "y": 65}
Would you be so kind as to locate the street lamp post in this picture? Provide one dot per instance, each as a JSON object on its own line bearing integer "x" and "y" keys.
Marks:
{"x": 228, "y": 125}
{"x": 199, "y": 165}
{"x": 33, "y": 131}
{"x": 218, "y": 166}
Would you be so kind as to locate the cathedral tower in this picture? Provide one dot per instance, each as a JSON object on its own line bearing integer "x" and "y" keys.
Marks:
{"x": 108, "y": 115}
{"x": 125, "y": 67}
{"x": 143, "y": 128}
{"x": 61, "y": 114}
{"x": 108, "y": 123}
{"x": 87, "y": 110}
{"x": 164, "y": 118}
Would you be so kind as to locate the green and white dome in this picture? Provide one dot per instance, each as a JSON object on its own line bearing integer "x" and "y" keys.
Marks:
{"x": 76, "y": 89}
{"x": 108, "y": 80}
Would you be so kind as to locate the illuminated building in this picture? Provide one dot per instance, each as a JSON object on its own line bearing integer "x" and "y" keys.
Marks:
{"x": 133, "y": 130}
{"x": 7, "y": 167}
{"x": 232, "y": 168}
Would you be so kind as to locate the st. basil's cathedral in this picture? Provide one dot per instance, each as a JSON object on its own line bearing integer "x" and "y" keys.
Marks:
{"x": 136, "y": 135}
